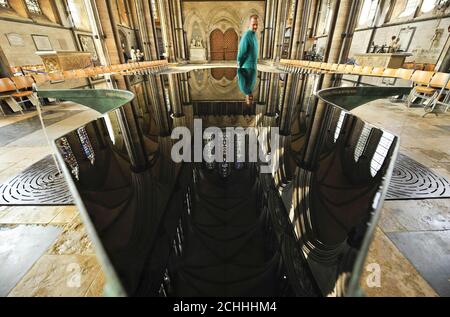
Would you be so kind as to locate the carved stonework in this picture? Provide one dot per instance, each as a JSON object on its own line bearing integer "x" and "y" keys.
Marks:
{"x": 51, "y": 64}
{"x": 197, "y": 54}
{"x": 62, "y": 61}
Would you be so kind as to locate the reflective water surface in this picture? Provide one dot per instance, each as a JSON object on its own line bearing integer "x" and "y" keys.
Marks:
{"x": 219, "y": 226}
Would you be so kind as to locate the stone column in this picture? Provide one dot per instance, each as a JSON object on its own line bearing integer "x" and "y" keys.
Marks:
{"x": 135, "y": 17}
{"x": 337, "y": 36}
{"x": 263, "y": 84}
{"x": 137, "y": 12}
{"x": 290, "y": 102}
{"x": 175, "y": 97}
{"x": 184, "y": 85}
{"x": 267, "y": 29}
{"x": 5, "y": 70}
{"x": 159, "y": 105}
{"x": 151, "y": 29}
{"x": 301, "y": 28}
{"x": 166, "y": 29}
{"x": 271, "y": 21}
{"x": 178, "y": 28}
{"x": 280, "y": 23}
{"x": 296, "y": 39}
{"x": 272, "y": 99}
{"x": 127, "y": 115}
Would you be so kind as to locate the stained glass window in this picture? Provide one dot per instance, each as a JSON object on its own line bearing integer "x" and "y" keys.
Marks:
{"x": 429, "y": 5}
{"x": 33, "y": 6}
{"x": 368, "y": 12}
{"x": 410, "y": 8}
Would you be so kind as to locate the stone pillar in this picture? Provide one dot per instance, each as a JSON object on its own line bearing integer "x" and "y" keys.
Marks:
{"x": 263, "y": 84}
{"x": 290, "y": 102}
{"x": 272, "y": 99}
{"x": 443, "y": 64}
{"x": 267, "y": 29}
{"x": 151, "y": 29}
{"x": 159, "y": 105}
{"x": 136, "y": 26}
{"x": 296, "y": 39}
{"x": 301, "y": 28}
{"x": 184, "y": 85}
{"x": 141, "y": 31}
{"x": 5, "y": 70}
{"x": 174, "y": 93}
{"x": 178, "y": 28}
{"x": 166, "y": 29}
{"x": 313, "y": 17}
{"x": 280, "y": 24}
{"x": 127, "y": 115}
{"x": 270, "y": 28}
{"x": 337, "y": 36}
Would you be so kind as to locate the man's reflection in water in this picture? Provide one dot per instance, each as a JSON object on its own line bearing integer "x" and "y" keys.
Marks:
{"x": 247, "y": 81}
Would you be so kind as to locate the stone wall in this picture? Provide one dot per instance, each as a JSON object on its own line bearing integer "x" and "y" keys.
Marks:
{"x": 17, "y": 27}
{"x": 24, "y": 53}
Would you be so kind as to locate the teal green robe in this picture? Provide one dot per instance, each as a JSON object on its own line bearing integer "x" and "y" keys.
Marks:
{"x": 246, "y": 80}
{"x": 248, "y": 50}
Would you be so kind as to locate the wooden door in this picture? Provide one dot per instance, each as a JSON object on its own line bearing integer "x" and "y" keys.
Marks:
{"x": 217, "y": 45}
{"x": 230, "y": 39}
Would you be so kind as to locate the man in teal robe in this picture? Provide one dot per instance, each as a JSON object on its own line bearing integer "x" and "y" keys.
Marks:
{"x": 247, "y": 59}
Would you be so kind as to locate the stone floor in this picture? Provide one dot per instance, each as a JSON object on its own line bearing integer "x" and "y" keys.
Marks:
{"x": 59, "y": 259}
{"x": 411, "y": 247}
{"x": 412, "y": 241}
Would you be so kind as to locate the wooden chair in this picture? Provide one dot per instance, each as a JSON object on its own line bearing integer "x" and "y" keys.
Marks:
{"x": 367, "y": 71}
{"x": 429, "y": 67}
{"x": 421, "y": 85}
{"x": 15, "y": 88}
{"x": 390, "y": 72}
{"x": 7, "y": 88}
{"x": 40, "y": 78}
{"x": 349, "y": 68}
{"x": 69, "y": 74}
{"x": 377, "y": 71}
{"x": 356, "y": 70}
{"x": 56, "y": 77}
{"x": 436, "y": 92}
{"x": 405, "y": 74}
{"x": 23, "y": 86}
{"x": 334, "y": 67}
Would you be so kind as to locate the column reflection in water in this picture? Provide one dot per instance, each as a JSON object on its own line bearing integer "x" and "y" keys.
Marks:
{"x": 311, "y": 220}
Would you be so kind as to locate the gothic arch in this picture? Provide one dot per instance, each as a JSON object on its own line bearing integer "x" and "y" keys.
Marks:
{"x": 223, "y": 18}
{"x": 192, "y": 19}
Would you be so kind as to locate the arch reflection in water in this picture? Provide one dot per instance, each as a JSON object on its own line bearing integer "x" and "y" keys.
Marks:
{"x": 225, "y": 229}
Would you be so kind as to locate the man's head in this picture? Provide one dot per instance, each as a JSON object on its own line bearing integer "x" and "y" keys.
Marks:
{"x": 253, "y": 23}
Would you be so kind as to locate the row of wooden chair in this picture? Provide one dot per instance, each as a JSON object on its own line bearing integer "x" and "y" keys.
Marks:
{"x": 14, "y": 89}
{"x": 432, "y": 87}
{"x": 419, "y": 66}
{"x": 139, "y": 68}
{"x": 27, "y": 69}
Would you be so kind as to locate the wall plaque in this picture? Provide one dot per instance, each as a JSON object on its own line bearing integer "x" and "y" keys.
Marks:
{"x": 15, "y": 39}
{"x": 42, "y": 42}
